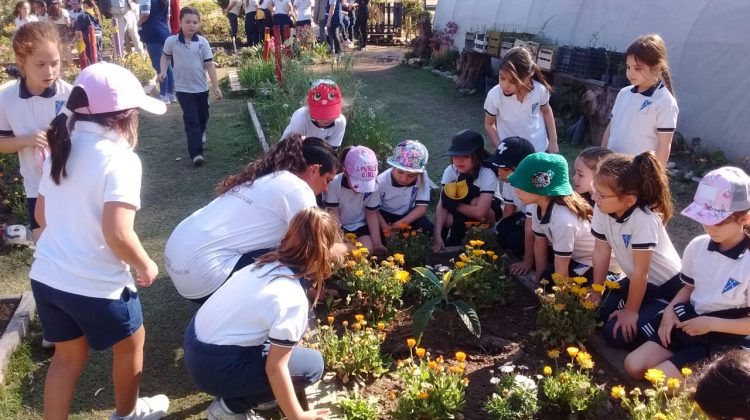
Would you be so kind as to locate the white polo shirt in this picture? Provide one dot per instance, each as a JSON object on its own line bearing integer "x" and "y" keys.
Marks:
{"x": 190, "y": 58}
{"x": 350, "y": 203}
{"x": 22, "y": 114}
{"x": 401, "y": 199}
{"x": 302, "y": 124}
{"x": 509, "y": 196}
{"x": 486, "y": 181}
{"x": 280, "y": 7}
{"x": 71, "y": 254}
{"x": 254, "y": 306}
{"x": 522, "y": 119}
{"x": 639, "y": 229}
{"x": 74, "y": 14}
{"x": 304, "y": 9}
{"x": 637, "y": 118}
{"x": 204, "y": 248}
{"x": 235, "y": 10}
{"x": 250, "y": 6}
{"x": 721, "y": 278}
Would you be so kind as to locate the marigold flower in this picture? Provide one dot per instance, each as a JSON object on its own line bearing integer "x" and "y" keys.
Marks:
{"x": 553, "y": 354}
{"x": 432, "y": 364}
{"x": 460, "y": 264}
{"x": 587, "y": 304}
{"x": 490, "y": 253}
{"x": 559, "y": 307}
{"x": 557, "y": 277}
{"x": 495, "y": 257}
{"x": 330, "y": 320}
{"x": 422, "y": 395}
{"x": 359, "y": 317}
{"x": 392, "y": 395}
{"x": 402, "y": 276}
{"x": 609, "y": 284}
{"x": 411, "y": 342}
{"x": 547, "y": 370}
{"x": 399, "y": 258}
{"x": 673, "y": 383}
{"x": 464, "y": 258}
{"x": 466, "y": 381}
{"x": 403, "y": 226}
{"x": 359, "y": 273}
{"x": 654, "y": 376}
{"x": 381, "y": 326}
{"x": 452, "y": 369}
{"x": 414, "y": 233}
{"x": 661, "y": 416}
{"x": 598, "y": 288}
{"x": 617, "y": 392}
{"x": 476, "y": 243}
{"x": 345, "y": 323}
{"x": 460, "y": 356}
{"x": 572, "y": 351}
{"x": 686, "y": 371}
{"x": 420, "y": 352}
{"x": 582, "y": 357}
{"x": 357, "y": 326}
{"x": 387, "y": 233}
{"x": 439, "y": 359}
{"x": 579, "y": 280}
{"x": 478, "y": 252}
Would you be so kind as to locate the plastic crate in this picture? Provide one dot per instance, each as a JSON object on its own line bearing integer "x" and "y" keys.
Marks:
{"x": 533, "y": 48}
{"x": 546, "y": 58}
{"x": 564, "y": 56}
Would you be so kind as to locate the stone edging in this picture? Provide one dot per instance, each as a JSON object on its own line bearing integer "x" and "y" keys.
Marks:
{"x": 16, "y": 330}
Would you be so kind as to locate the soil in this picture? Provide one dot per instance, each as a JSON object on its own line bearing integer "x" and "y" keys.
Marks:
{"x": 7, "y": 309}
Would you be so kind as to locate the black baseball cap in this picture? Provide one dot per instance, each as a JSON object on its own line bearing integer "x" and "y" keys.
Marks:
{"x": 510, "y": 152}
{"x": 464, "y": 143}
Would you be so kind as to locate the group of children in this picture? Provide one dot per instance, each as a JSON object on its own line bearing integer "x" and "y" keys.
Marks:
{"x": 81, "y": 166}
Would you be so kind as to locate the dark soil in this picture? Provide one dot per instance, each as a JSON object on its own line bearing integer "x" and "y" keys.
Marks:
{"x": 7, "y": 309}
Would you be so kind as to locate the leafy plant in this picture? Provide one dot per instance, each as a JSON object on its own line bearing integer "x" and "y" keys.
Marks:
{"x": 515, "y": 397}
{"x": 356, "y": 407}
{"x": 139, "y": 65}
{"x": 667, "y": 399}
{"x": 440, "y": 292}
{"x": 491, "y": 284}
{"x": 411, "y": 242}
{"x": 704, "y": 160}
{"x": 446, "y": 59}
{"x": 430, "y": 389}
{"x": 481, "y": 231}
{"x": 572, "y": 389}
{"x": 12, "y": 195}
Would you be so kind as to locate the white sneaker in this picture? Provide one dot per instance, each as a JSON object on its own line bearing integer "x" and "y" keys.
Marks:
{"x": 165, "y": 99}
{"x": 47, "y": 344}
{"x": 172, "y": 97}
{"x": 204, "y": 139}
{"x": 147, "y": 408}
{"x": 198, "y": 160}
{"x": 218, "y": 411}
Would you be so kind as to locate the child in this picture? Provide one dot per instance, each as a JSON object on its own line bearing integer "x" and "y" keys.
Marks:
{"x": 281, "y": 10}
{"x": 633, "y": 203}
{"x": 644, "y": 116}
{"x": 514, "y": 228}
{"x": 89, "y": 17}
{"x": 192, "y": 58}
{"x": 304, "y": 9}
{"x": 247, "y": 358}
{"x": 23, "y": 15}
{"x": 474, "y": 187}
{"x": 251, "y": 24}
{"x": 85, "y": 295}
{"x": 28, "y": 105}
{"x": 722, "y": 390}
{"x": 40, "y": 10}
{"x": 404, "y": 189}
{"x": 585, "y": 168}
{"x": 232, "y": 11}
{"x": 559, "y": 216}
{"x": 249, "y": 217}
{"x": 322, "y": 117}
{"x": 60, "y": 17}
{"x": 711, "y": 313}
{"x": 352, "y": 197}
{"x": 519, "y": 104}
{"x": 75, "y": 10}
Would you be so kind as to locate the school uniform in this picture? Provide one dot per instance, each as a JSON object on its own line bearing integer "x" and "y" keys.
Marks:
{"x": 208, "y": 246}
{"x": 396, "y": 201}
{"x": 281, "y": 16}
{"x": 226, "y": 344}
{"x": 74, "y": 14}
{"x": 189, "y": 58}
{"x": 351, "y": 205}
{"x": 18, "y": 22}
{"x": 511, "y": 231}
{"x": 251, "y": 25}
{"x": 638, "y": 229}
{"x": 267, "y": 21}
{"x": 521, "y": 119}
{"x": 484, "y": 183}
{"x": 336, "y": 19}
{"x": 232, "y": 15}
{"x": 80, "y": 286}
{"x": 22, "y": 113}
{"x": 301, "y": 123}
{"x": 304, "y": 12}
{"x": 638, "y": 117}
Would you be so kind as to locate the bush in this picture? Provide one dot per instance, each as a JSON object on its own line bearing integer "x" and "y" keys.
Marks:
{"x": 488, "y": 285}
{"x": 12, "y": 195}
{"x": 572, "y": 390}
{"x": 408, "y": 242}
{"x": 445, "y": 59}
{"x": 667, "y": 399}
{"x": 139, "y": 65}
{"x": 515, "y": 397}
{"x": 356, "y": 407}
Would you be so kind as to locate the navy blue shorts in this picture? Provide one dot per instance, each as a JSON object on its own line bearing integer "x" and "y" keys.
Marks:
{"x": 30, "y": 207}
{"x": 104, "y": 322}
{"x": 360, "y": 231}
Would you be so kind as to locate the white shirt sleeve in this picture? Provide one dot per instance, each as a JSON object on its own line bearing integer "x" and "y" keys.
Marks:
{"x": 169, "y": 45}
{"x": 598, "y": 224}
{"x": 492, "y": 103}
{"x": 449, "y": 175}
{"x": 208, "y": 55}
{"x": 536, "y": 225}
{"x": 487, "y": 181}
{"x": 691, "y": 253}
{"x": 372, "y": 201}
{"x": 296, "y": 124}
{"x": 666, "y": 115}
{"x": 333, "y": 194}
{"x": 285, "y": 329}
{"x": 123, "y": 180}
{"x": 543, "y": 95}
{"x": 564, "y": 231}
{"x": 508, "y": 193}
{"x": 646, "y": 233}
{"x": 337, "y": 134}
{"x": 294, "y": 201}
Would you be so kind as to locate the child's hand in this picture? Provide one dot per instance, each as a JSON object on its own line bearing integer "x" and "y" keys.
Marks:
{"x": 520, "y": 268}
{"x": 697, "y": 326}
{"x": 668, "y": 321}
{"x": 379, "y": 249}
{"x": 316, "y": 414}
{"x": 146, "y": 277}
{"x": 217, "y": 93}
{"x": 37, "y": 139}
{"x": 437, "y": 244}
{"x": 162, "y": 77}
{"x": 627, "y": 321}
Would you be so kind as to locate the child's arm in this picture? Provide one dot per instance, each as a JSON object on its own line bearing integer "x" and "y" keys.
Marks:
{"x": 479, "y": 210}
{"x": 490, "y": 126}
{"x": 410, "y": 217}
{"x": 562, "y": 265}
{"x": 441, "y": 215}
{"x": 522, "y": 267}
{"x": 549, "y": 122}
{"x": 382, "y": 223}
{"x": 605, "y": 137}
{"x": 540, "y": 255}
{"x": 14, "y": 144}
{"x": 277, "y": 370}
{"x": 508, "y": 210}
{"x": 117, "y": 228}
{"x": 164, "y": 62}
{"x": 371, "y": 217}
{"x": 627, "y": 317}
{"x": 669, "y": 320}
{"x": 705, "y": 324}
{"x": 600, "y": 259}
{"x": 663, "y": 147}
{"x": 335, "y": 212}
{"x": 211, "y": 69}
{"x": 229, "y": 6}
{"x": 39, "y": 213}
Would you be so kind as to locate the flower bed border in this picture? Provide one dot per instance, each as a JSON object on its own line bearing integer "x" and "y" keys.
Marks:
{"x": 17, "y": 328}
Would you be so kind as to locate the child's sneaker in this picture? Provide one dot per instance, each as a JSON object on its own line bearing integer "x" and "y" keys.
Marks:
{"x": 198, "y": 160}
{"x": 172, "y": 97}
{"x": 204, "y": 139}
{"x": 218, "y": 411}
{"x": 165, "y": 99}
{"x": 147, "y": 408}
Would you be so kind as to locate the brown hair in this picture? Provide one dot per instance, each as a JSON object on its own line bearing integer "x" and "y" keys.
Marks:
{"x": 307, "y": 246}
{"x": 575, "y": 203}
{"x": 292, "y": 154}
{"x": 650, "y": 50}
{"x": 591, "y": 156}
{"x": 187, "y": 10}
{"x": 17, "y": 9}
{"x": 739, "y": 218}
{"x": 29, "y": 36}
{"x": 642, "y": 176}
{"x": 54, "y": 11}
{"x": 722, "y": 390}
{"x": 520, "y": 66}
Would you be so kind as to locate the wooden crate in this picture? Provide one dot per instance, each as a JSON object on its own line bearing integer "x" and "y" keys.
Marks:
{"x": 533, "y": 48}
{"x": 480, "y": 42}
{"x": 494, "y": 42}
{"x": 469, "y": 40}
{"x": 505, "y": 46}
{"x": 546, "y": 58}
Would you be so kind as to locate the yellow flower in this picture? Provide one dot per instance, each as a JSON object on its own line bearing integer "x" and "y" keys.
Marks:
{"x": 572, "y": 351}
{"x": 359, "y": 273}
{"x": 453, "y": 369}
{"x": 345, "y": 324}
{"x": 464, "y": 258}
{"x": 490, "y": 253}
{"x": 392, "y": 395}
{"x": 357, "y": 326}
{"x": 439, "y": 359}
{"x": 686, "y": 371}
{"x": 559, "y": 307}
{"x": 587, "y": 304}
{"x": 402, "y": 276}
{"x": 495, "y": 257}
{"x": 609, "y": 284}
{"x": 422, "y": 395}
{"x": 617, "y": 392}
{"x": 358, "y": 244}
{"x": 553, "y": 354}
{"x": 673, "y": 383}
{"x": 587, "y": 364}
{"x": 547, "y": 370}
{"x": 654, "y": 376}
{"x": 411, "y": 342}
{"x": 330, "y": 320}
{"x": 381, "y": 326}
{"x": 558, "y": 278}
{"x": 399, "y": 258}
{"x": 584, "y": 359}
{"x": 660, "y": 416}
{"x": 579, "y": 280}
{"x": 578, "y": 290}
{"x": 432, "y": 364}
{"x": 478, "y": 252}
{"x": 359, "y": 317}
{"x": 598, "y": 288}
{"x": 460, "y": 264}
{"x": 466, "y": 381}
{"x": 460, "y": 356}
{"x": 419, "y": 352}
{"x": 476, "y": 243}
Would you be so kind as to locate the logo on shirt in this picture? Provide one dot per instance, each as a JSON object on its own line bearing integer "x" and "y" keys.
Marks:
{"x": 534, "y": 108}
{"x": 645, "y": 104}
{"x": 58, "y": 106}
{"x": 626, "y": 239}
{"x": 731, "y": 284}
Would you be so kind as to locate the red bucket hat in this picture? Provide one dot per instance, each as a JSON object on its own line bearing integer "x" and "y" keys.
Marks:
{"x": 324, "y": 100}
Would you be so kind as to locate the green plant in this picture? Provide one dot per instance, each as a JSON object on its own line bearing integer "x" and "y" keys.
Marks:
{"x": 411, "y": 242}
{"x": 139, "y": 65}
{"x": 489, "y": 285}
{"x": 356, "y": 407}
{"x": 572, "y": 389}
{"x": 430, "y": 389}
{"x": 445, "y": 59}
{"x": 356, "y": 352}
{"x": 667, "y": 399}
{"x": 704, "y": 160}
{"x": 481, "y": 231}
{"x": 515, "y": 397}
{"x": 12, "y": 195}
{"x": 440, "y": 292}
{"x": 566, "y": 316}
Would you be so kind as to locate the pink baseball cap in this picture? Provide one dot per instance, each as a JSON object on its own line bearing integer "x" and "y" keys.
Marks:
{"x": 109, "y": 88}
{"x": 721, "y": 192}
{"x": 361, "y": 166}
{"x": 324, "y": 100}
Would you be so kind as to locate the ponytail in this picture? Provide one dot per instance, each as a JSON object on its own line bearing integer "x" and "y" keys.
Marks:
{"x": 576, "y": 204}
{"x": 642, "y": 176}
{"x": 58, "y": 140}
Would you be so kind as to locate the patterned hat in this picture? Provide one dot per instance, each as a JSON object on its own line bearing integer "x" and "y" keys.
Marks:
{"x": 361, "y": 166}
{"x": 324, "y": 100}
{"x": 409, "y": 156}
{"x": 543, "y": 174}
{"x": 721, "y": 192}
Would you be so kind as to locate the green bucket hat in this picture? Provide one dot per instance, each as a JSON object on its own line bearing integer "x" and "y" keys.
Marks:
{"x": 543, "y": 174}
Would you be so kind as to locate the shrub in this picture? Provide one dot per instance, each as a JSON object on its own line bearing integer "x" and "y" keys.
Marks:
{"x": 572, "y": 389}
{"x": 139, "y": 65}
{"x": 12, "y": 195}
{"x": 482, "y": 231}
{"x": 409, "y": 242}
{"x": 515, "y": 397}
{"x": 356, "y": 407}
{"x": 445, "y": 59}
{"x": 441, "y": 292}
{"x": 667, "y": 399}
{"x": 491, "y": 284}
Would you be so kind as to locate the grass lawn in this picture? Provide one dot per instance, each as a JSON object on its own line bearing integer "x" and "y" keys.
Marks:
{"x": 419, "y": 106}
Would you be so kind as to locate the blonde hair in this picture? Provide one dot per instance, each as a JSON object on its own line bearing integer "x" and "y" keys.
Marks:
{"x": 29, "y": 36}
{"x": 306, "y": 247}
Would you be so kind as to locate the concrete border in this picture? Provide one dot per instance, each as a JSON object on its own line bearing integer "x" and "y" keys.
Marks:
{"x": 256, "y": 123}
{"x": 17, "y": 328}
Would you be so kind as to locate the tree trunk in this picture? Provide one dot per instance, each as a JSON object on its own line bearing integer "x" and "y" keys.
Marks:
{"x": 597, "y": 104}
{"x": 472, "y": 67}
{"x": 421, "y": 44}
